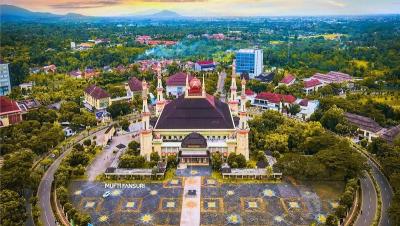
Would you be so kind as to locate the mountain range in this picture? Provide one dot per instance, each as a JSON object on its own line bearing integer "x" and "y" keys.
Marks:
{"x": 15, "y": 13}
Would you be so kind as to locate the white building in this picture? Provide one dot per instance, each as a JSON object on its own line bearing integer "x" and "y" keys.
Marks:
{"x": 307, "y": 108}
{"x": 249, "y": 61}
{"x": 5, "y": 84}
{"x": 176, "y": 84}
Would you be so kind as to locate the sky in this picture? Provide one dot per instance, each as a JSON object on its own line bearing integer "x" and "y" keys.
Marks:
{"x": 213, "y": 7}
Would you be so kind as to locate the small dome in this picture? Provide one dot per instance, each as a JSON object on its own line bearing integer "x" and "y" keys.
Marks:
{"x": 195, "y": 83}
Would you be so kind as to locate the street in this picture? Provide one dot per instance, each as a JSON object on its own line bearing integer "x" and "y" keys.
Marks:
{"x": 369, "y": 202}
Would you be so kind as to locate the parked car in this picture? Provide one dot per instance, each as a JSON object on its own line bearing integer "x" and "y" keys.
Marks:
{"x": 106, "y": 194}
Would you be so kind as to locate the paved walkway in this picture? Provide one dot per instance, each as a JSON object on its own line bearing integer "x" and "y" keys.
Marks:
{"x": 190, "y": 215}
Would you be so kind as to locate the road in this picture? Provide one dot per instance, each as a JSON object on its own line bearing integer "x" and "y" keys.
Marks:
{"x": 46, "y": 214}
{"x": 386, "y": 191}
{"x": 369, "y": 202}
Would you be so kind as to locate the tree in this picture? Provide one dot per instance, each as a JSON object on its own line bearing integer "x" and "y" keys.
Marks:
{"x": 172, "y": 162}
{"x": 276, "y": 142}
{"x": 332, "y": 117}
{"x": 12, "y": 208}
{"x": 154, "y": 156}
{"x": 124, "y": 124}
{"x": 216, "y": 161}
{"x": 134, "y": 148}
{"x": 294, "y": 109}
{"x": 119, "y": 109}
{"x": 15, "y": 173}
{"x": 331, "y": 220}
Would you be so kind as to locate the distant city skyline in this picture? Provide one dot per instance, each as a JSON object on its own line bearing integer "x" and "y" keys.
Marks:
{"x": 213, "y": 7}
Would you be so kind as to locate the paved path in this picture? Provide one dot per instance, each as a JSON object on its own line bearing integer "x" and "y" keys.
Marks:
{"x": 369, "y": 202}
{"x": 46, "y": 213}
{"x": 190, "y": 215}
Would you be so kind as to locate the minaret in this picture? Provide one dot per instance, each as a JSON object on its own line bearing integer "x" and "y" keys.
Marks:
{"x": 160, "y": 97}
{"x": 204, "y": 93}
{"x": 233, "y": 102}
{"x": 187, "y": 86}
{"x": 146, "y": 136}
{"x": 242, "y": 135}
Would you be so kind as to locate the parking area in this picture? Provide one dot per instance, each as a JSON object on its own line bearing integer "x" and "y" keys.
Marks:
{"x": 220, "y": 204}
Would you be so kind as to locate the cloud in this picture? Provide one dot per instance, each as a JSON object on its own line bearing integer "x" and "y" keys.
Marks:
{"x": 86, "y": 5}
{"x": 336, "y": 3}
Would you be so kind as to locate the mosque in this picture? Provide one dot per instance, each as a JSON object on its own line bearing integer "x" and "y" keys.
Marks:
{"x": 195, "y": 124}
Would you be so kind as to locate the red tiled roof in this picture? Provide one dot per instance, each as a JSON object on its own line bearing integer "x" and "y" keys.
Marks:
{"x": 178, "y": 79}
{"x": 8, "y": 106}
{"x": 249, "y": 92}
{"x": 96, "y": 92}
{"x": 135, "y": 84}
{"x": 205, "y": 62}
{"x": 275, "y": 97}
{"x": 287, "y": 79}
{"x": 311, "y": 83}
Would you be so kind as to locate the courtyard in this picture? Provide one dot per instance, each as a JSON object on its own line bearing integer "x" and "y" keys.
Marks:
{"x": 220, "y": 203}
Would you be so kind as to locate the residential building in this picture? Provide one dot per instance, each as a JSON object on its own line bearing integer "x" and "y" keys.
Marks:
{"x": 265, "y": 77}
{"x": 28, "y": 105}
{"x": 96, "y": 97}
{"x": 10, "y": 113}
{"x": 307, "y": 108}
{"x": 288, "y": 80}
{"x": 193, "y": 126}
{"x": 250, "y": 95}
{"x": 5, "y": 83}
{"x": 76, "y": 74}
{"x": 50, "y": 69}
{"x": 205, "y": 65}
{"x": 249, "y": 61}
{"x": 391, "y": 134}
{"x": 90, "y": 73}
{"x": 312, "y": 85}
{"x": 133, "y": 87}
{"x": 143, "y": 39}
{"x": 176, "y": 84}
{"x": 273, "y": 101}
{"x": 26, "y": 85}
{"x": 367, "y": 127}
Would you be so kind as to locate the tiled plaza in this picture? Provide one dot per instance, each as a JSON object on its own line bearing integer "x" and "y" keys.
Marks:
{"x": 220, "y": 204}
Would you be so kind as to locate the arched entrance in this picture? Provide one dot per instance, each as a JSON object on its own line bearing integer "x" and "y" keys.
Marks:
{"x": 194, "y": 150}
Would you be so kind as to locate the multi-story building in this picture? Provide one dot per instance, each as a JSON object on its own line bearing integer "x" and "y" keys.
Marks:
{"x": 97, "y": 98}
{"x": 10, "y": 112}
{"x": 5, "y": 84}
{"x": 249, "y": 61}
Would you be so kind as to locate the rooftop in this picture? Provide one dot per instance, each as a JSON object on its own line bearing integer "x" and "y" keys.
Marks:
{"x": 288, "y": 79}
{"x": 135, "y": 84}
{"x": 332, "y": 77}
{"x": 195, "y": 113}
{"x": 178, "y": 79}
{"x": 8, "y": 106}
{"x": 391, "y": 134}
{"x": 312, "y": 83}
{"x": 275, "y": 97}
{"x": 96, "y": 92}
{"x": 363, "y": 122}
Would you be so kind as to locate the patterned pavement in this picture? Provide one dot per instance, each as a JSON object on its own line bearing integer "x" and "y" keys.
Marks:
{"x": 220, "y": 204}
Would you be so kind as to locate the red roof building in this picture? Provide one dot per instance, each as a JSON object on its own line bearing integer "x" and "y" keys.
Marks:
{"x": 312, "y": 83}
{"x": 288, "y": 80}
{"x": 97, "y": 97}
{"x": 276, "y": 98}
{"x": 10, "y": 112}
{"x": 135, "y": 85}
{"x": 178, "y": 79}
